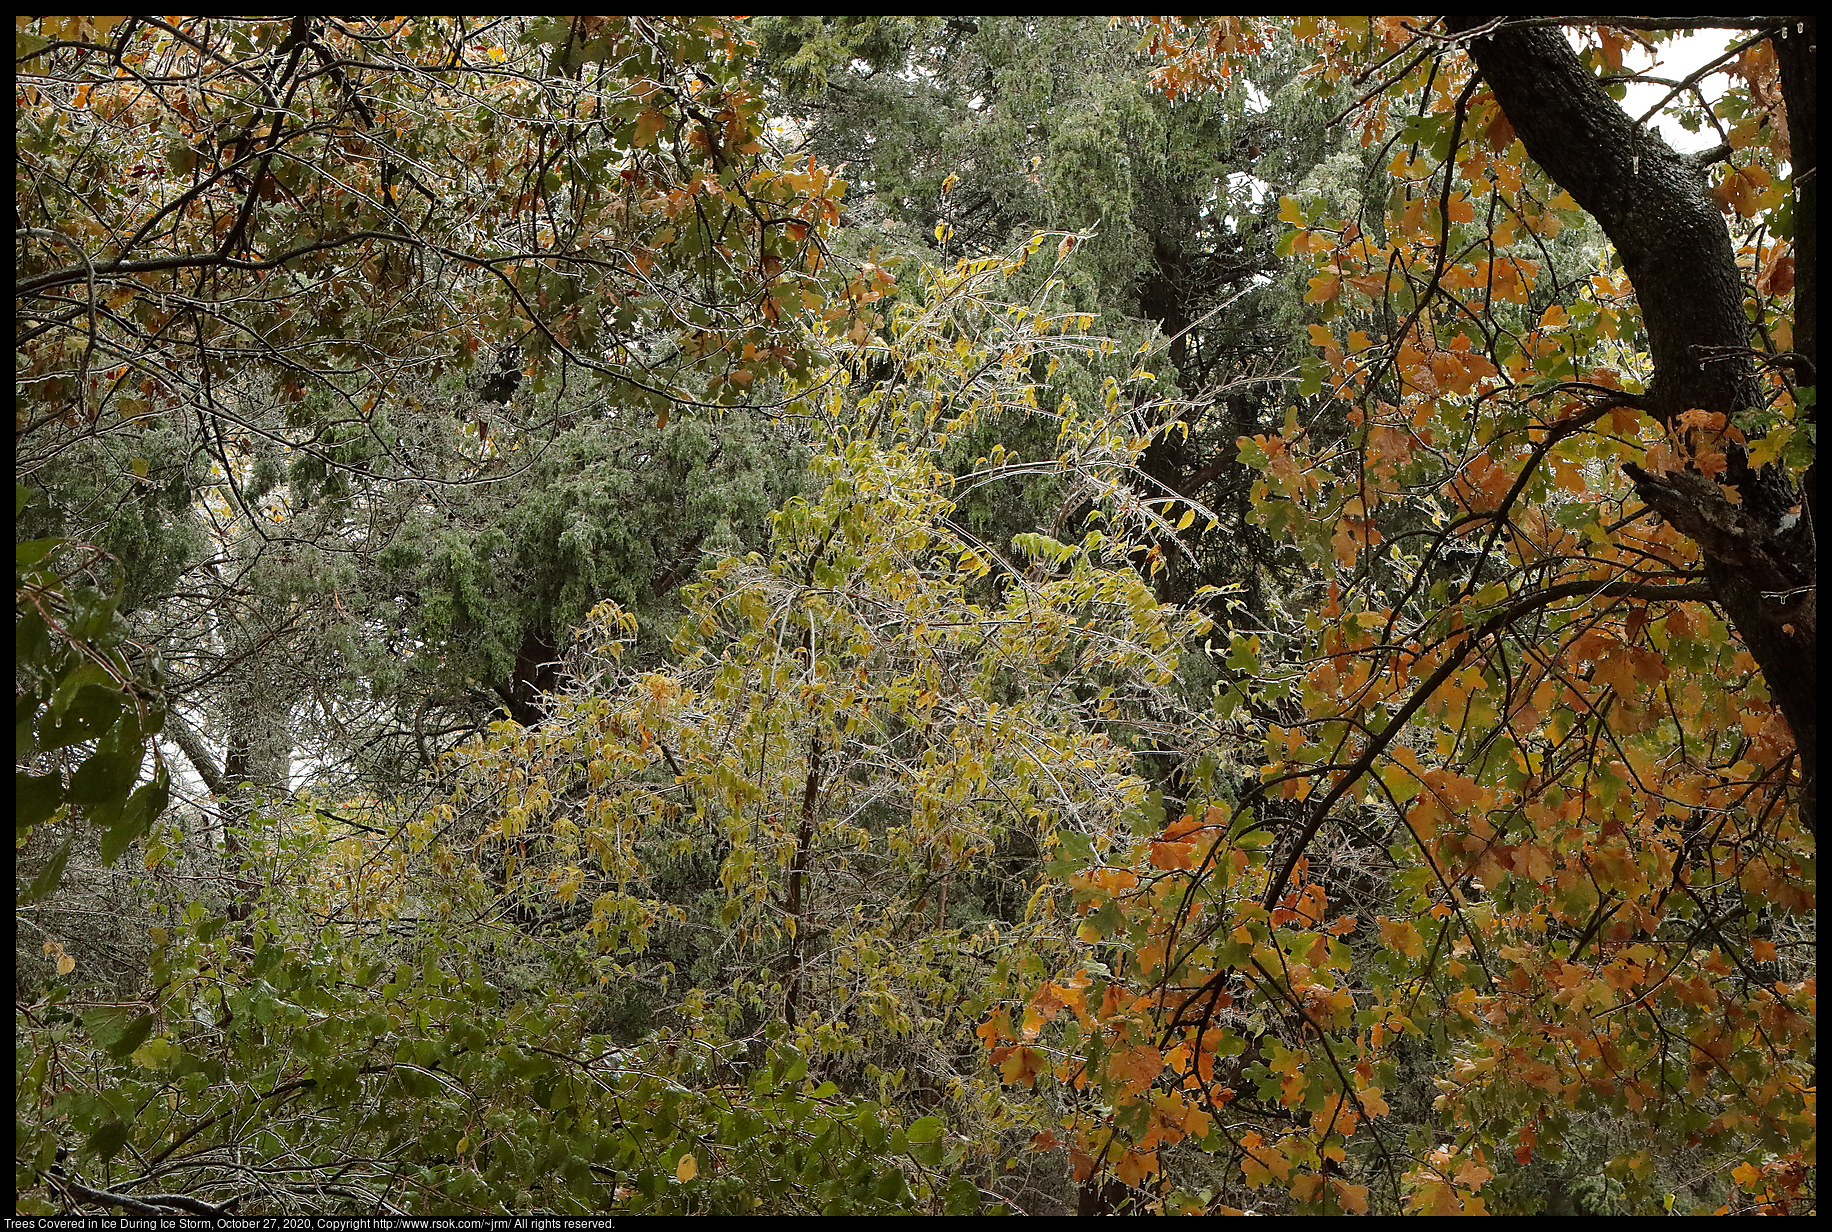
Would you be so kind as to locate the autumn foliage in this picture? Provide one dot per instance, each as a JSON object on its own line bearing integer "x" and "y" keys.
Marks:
{"x": 1513, "y": 700}
{"x": 1465, "y": 850}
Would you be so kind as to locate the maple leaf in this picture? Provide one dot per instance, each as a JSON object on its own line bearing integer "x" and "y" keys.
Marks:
{"x": 1352, "y": 1198}
{"x": 1173, "y": 855}
{"x": 1401, "y": 935}
{"x": 1472, "y": 1175}
{"x": 1373, "y": 1102}
{"x": 1136, "y": 1067}
{"x": 1022, "y": 1065}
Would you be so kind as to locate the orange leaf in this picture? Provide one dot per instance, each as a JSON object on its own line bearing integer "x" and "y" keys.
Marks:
{"x": 996, "y": 1027}
{"x": 1352, "y": 1198}
{"x": 1173, "y": 855}
{"x": 1134, "y": 1166}
{"x": 1136, "y": 1067}
{"x": 1262, "y": 1162}
{"x": 1402, "y": 936}
{"x": 1023, "y": 1065}
{"x": 649, "y": 122}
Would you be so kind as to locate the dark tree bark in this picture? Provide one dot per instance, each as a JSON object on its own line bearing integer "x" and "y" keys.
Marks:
{"x": 1758, "y": 553}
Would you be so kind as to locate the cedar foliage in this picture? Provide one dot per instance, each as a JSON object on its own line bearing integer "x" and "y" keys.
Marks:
{"x": 570, "y": 659}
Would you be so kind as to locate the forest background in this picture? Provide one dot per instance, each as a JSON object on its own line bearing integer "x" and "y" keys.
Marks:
{"x": 914, "y": 614}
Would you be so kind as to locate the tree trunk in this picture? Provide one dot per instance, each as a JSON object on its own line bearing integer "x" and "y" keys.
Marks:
{"x": 257, "y": 760}
{"x": 1652, "y": 203}
{"x": 796, "y": 908}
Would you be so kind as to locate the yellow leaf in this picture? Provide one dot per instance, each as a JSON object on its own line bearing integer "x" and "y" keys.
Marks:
{"x": 1402, "y": 936}
{"x": 1189, "y": 516}
{"x": 65, "y": 964}
{"x": 688, "y": 1168}
{"x": 1766, "y": 450}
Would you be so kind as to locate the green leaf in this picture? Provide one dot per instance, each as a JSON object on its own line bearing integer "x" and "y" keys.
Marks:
{"x": 962, "y": 1196}
{"x": 143, "y": 808}
{"x": 266, "y": 959}
{"x": 47, "y": 879}
{"x": 869, "y": 1127}
{"x": 928, "y": 1129}
{"x": 117, "y": 1029}
{"x": 90, "y": 711}
{"x": 93, "y": 614}
{"x": 33, "y": 551}
{"x": 107, "y": 1141}
{"x": 108, "y": 774}
{"x": 35, "y": 798}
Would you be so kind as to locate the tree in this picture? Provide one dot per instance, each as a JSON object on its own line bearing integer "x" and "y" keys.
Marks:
{"x": 254, "y": 258}
{"x": 845, "y": 737}
{"x": 968, "y": 132}
{"x": 916, "y": 854}
{"x": 1758, "y": 545}
{"x": 354, "y": 202}
{"x": 1549, "y": 706}
{"x": 848, "y": 739}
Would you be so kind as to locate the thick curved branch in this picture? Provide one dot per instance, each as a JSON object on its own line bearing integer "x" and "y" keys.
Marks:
{"x": 199, "y": 260}
{"x": 1754, "y": 528}
{"x": 1621, "y": 589}
{"x": 139, "y": 1204}
{"x": 192, "y": 746}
